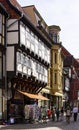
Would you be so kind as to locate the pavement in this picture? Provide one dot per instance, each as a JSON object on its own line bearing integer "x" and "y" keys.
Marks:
{"x": 50, "y": 125}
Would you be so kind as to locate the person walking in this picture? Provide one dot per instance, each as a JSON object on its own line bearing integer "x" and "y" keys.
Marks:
{"x": 43, "y": 114}
{"x": 75, "y": 112}
{"x": 62, "y": 113}
{"x": 68, "y": 114}
{"x": 48, "y": 113}
{"x": 57, "y": 114}
{"x": 53, "y": 114}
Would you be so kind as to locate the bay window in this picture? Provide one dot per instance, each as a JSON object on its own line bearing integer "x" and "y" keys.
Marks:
{"x": 32, "y": 42}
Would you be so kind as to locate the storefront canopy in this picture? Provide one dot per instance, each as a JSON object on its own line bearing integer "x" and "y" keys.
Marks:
{"x": 33, "y": 96}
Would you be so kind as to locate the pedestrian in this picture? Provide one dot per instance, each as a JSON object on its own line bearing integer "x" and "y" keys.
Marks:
{"x": 57, "y": 114}
{"x": 49, "y": 113}
{"x": 53, "y": 114}
{"x": 62, "y": 113}
{"x": 68, "y": 114}
{"x": 43, "y": 114}
{"x": 75, "y": 112}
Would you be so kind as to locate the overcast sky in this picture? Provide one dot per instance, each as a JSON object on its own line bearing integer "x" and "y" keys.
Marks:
{"x": 63, "y": 13}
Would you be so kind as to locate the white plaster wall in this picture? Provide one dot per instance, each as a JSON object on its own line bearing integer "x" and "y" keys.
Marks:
{"x": 12, "y": 24}
{"x": 12, "y": 36}
{"x": 10, "y": 58}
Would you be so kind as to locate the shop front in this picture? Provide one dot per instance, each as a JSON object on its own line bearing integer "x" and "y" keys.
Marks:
{"x": 57, "y": 98}
{"x": 22, "y": 104}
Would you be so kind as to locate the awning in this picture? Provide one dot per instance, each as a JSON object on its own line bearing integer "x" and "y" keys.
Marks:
{"x": 33, "y": 96}
{"x": 58, "y": 94}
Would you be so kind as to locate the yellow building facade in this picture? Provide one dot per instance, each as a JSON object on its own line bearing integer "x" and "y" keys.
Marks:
{"x": 56, "y": 74}
{"x": 56, "y": 70}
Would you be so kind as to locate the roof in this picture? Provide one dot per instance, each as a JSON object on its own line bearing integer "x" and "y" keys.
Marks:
{"x": 3, "y": 10}
{"x": 31, "y": 10}
{"x": 37, "y": 21}
{"x": 18, "y": 7}
{"x": 16, "y": 11}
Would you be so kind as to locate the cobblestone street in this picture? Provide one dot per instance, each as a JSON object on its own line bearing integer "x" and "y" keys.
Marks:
{"x": 46, "y": 126}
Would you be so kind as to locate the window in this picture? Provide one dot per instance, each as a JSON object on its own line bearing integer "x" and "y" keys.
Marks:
{"x": 45, "y": 54}
{"x": 55, "y": 78}
{"x": 48, "y": 54}
{"x": 42, "y": 50}
{"x": 32, "y": 41}
{"x": 39, "y": 48}
{"x": 22, "y": 34}
{"x": 36, "y": 45}
{"x": 19, "y": 67}
{"x": 24, "y": 69}
{"x": 18, "y": 57}
{"x": 55, "y": 38}
{"x": 55, "y": 58}
{"x": 28, "y": 37}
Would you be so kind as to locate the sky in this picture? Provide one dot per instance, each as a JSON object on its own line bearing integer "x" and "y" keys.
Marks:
{"x": 63, "y": 13}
